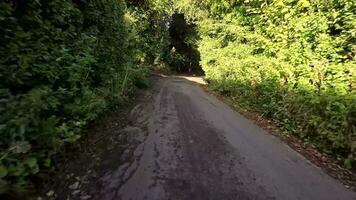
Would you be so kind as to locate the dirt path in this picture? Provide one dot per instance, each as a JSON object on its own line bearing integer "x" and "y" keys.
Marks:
{"x": 186, "y": 144}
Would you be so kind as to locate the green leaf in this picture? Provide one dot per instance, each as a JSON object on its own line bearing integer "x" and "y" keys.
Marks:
{"x": 47, "y": 162}
{"x": 17, "y": 170}
{"x": 3, "y": 171}
{"x": 349, "y": 162}
{"x": 30, "y": 162}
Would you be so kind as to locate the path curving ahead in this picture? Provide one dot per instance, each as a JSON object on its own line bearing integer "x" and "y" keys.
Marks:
{"x": 189, "y": 145}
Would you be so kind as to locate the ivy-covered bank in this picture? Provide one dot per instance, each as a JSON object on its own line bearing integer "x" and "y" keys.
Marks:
{"x": 293, "y": 61}
{"x": 62, "y": 63}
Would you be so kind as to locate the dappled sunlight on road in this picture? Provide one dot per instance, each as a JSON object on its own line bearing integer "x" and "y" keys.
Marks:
{"x": 196, "y": 79}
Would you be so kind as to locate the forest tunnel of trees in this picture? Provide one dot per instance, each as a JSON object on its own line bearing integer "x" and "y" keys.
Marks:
{"x": 64, "y": 62}
{"x": 185, "y": 56}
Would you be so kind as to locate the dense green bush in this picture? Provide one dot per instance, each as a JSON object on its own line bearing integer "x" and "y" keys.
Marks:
{"x": 62, "y": 63}
{"x": 292, "y": 60}
{"x": 149, "y": 25}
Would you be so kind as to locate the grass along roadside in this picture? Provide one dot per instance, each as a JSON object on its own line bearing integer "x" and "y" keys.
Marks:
{"x": 328, "y": 163}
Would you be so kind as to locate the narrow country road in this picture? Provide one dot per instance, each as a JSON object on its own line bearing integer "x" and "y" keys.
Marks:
{"x": 189, "y": 145}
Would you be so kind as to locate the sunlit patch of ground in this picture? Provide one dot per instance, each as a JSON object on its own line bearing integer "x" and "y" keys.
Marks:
{"x": 196, "y": 79}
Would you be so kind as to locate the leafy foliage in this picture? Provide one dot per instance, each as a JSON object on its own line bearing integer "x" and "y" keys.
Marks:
{"x": 62, "y": 63}
{"x": 183, "y": 55}
{"x": 291, "y": 60}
